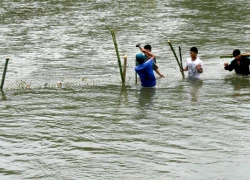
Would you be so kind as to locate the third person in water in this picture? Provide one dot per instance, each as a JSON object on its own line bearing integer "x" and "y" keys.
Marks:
{"x": 194, "y": 64}
{"x": 240, "y": 64}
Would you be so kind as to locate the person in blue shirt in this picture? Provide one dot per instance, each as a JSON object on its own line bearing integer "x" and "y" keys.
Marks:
{"x": 144, "y": 68}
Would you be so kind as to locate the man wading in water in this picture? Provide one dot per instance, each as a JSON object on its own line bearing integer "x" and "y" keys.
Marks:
{"x": 144, "y": 68}
{"x": 240, "y": 64}
{"x": 194, "y": 64}
{"x": 155, "y": 67}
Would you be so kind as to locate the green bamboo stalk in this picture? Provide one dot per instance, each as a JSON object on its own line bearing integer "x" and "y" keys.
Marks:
{"x": 226, "y": 56}
{"x": 182, "y": 73}
{"x": 4, "y": 73}
{"x": 181, "y": 59}
{"x": 231, "y": 55}
{"x": 118, "y": 56}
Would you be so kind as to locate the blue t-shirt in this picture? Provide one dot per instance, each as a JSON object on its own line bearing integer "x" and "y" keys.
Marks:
{"x": 146, "y": 73}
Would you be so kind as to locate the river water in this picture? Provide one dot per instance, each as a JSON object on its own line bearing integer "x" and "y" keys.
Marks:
{"x": 65, "y": 115}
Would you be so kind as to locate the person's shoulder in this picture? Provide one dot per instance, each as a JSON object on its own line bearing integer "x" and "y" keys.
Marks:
{"x": 199, "y": 59}
{"x": 245, "y": 58}
{"x": 150, "y": 61}
{"x": 234, "y": 60}
{"x": 137, "y": 68}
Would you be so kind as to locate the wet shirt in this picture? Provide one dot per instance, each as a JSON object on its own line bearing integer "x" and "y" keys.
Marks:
{"x": 146, "y": 73}
{"x": 242, "y": 68}
{"x": 192, "y": 71}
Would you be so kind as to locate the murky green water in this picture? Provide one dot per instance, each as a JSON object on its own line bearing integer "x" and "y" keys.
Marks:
{"x": 92, "y": 127}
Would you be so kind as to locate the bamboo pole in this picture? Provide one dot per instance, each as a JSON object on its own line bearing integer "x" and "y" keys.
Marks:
{"x": 118, "y": 56}
{"x": 231, "y": 55}
{"x": 178, "y": 62}
{"x": 125, "y": 67}
{"x": 181, "y": 60}
{"x": 4, "y": 72}
{"x": 3, "y": 96}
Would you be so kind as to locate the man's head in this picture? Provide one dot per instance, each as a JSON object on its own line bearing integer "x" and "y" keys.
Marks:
{"x": 236, "y": 54}
{"x": 140, "y": 58}
{"x": 193, "y": 52}
{"x": 148, "y": 47}
{"x": 194, "y": 49}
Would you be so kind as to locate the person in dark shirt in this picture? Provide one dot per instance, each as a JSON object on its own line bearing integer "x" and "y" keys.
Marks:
{"x": 240, "y": 64}
{"x": 155, "y": 67}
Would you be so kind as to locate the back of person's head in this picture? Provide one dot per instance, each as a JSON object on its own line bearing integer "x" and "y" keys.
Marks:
{"x": 140, "y": 58}
{"x": 148, "y": 47}
{"x": 236, "y": 52}
{"x": 194, "y": 49}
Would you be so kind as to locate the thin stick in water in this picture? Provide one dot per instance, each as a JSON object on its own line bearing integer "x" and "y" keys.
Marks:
{"x": 181, "y": 59}
{"x": 125, "y": 67}
{"x": 4, "y": 72}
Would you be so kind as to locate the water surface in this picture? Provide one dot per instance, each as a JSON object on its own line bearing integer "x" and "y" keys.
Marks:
{"x": 92, "y": 127}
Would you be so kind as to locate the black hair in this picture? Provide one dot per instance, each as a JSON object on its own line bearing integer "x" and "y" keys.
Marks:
{"x": 148, "y": 47}
{"x": 194, "y": 49}
{"x": 236, "y": 52}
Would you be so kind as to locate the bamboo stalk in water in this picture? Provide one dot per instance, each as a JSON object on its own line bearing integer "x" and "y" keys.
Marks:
{"x": 4, "y": 73}
{"x": 181, "y": 60}
{"x": 118, "y": 56}
{"x": 178, "y": 62}
{"x": 231, "y": 55}
{"x": 125, "y": 67}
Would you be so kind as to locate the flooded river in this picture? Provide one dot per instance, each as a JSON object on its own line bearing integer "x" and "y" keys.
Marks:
{"x": 65, "y": 115}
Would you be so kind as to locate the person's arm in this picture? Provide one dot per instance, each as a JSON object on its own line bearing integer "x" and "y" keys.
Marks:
{"x": 146, "y": 55}
{"x": 229, "y": 67}
{"x": 185, "y": 69}
{"x": 247, "y": 59}
{"x": 150, "y": 55}
{"x": 199, "y": 68}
